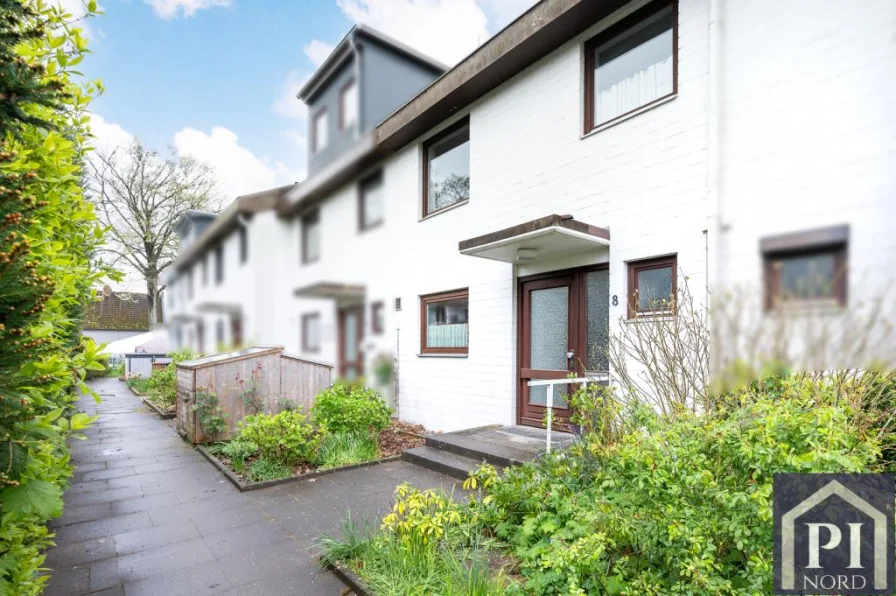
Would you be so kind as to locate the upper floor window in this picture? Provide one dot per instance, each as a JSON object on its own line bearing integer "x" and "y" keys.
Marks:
{"x": 652, "y": 285}
{"x": 244, "y": 244}
{"x": 311, "y": 237}
{"x": 219, "y": 263}
{"x": 190, "y": 284}
{"x": 205, "y": 270}
{"x": 370, "y": 201}
{"x": 348, "y": 105}
{"x": 446, "y": 168}
{"x": 806, "y": 268}
{"x": 631, "y": 65}
{"x": 320, "y": 125}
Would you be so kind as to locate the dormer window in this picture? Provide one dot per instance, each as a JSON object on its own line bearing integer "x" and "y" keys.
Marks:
{"x": 348, "y": 105}
{"x": 319, "y": 129}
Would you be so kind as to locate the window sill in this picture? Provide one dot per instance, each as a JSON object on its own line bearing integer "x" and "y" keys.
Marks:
{"x": 626, "y": 117}
{"x": 806, "y": 309}
{"x": 424, "y": 355}
{"x": 310, "y": 262}
{"x": 666, "y": 316}
{"x": 443, "y": 210}
{"x": 370, "y": 227}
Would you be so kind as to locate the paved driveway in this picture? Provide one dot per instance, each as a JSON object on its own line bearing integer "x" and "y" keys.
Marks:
{"x": 148, "y": 515}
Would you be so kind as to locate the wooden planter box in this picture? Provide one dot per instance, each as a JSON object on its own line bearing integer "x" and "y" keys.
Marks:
{"x": 161, "y": 414}
{"x": 247, "y": 486}
{"x": 348, "y": 577}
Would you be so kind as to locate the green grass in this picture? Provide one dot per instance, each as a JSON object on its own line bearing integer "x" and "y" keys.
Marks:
{"x": 345, "y": 449}
{"x": 140, "y": 384}
{"x": 267, "y": 469}
{"x": 393, "y": 568}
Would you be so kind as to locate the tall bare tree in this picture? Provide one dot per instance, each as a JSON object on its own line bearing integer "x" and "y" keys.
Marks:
{"x": 141, "y": 194}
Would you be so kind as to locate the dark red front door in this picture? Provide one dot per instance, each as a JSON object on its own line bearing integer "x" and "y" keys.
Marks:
{"x": 351, "y": 332}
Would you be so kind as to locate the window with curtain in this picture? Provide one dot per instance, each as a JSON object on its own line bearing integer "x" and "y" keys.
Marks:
{"x": 444, "y": 321}
{"x": 311, "y": 332}
{"x": 630, "y": 66}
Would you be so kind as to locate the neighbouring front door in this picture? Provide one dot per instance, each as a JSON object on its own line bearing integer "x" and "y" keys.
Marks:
{"x": 351, "y": 330}
{"x": 564, "y": 329}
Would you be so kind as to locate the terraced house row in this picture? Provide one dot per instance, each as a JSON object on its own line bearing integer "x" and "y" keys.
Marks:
{"x": 480, "y": 226}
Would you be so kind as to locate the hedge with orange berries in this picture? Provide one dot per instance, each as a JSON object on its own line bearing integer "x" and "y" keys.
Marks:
{"x": 48, "y": 238}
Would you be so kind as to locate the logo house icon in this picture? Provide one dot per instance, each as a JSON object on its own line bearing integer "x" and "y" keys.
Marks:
{"x": 880, "y": 536}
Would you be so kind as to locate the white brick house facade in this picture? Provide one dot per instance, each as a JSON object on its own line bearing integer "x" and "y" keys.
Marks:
{"x": 780, "y": 124}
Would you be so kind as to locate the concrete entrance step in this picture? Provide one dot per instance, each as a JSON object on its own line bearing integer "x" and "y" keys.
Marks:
{"x": 498, "y": 445}
{"x": 444, "y": 462}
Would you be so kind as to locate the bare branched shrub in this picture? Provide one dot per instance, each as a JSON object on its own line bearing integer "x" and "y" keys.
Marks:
{"x": 663, "y": 360}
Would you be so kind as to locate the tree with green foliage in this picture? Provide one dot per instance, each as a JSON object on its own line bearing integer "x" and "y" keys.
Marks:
{"x": 48, "y": 233}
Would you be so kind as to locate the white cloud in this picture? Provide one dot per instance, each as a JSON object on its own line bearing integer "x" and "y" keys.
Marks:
{"x": 172, "y": 9}
{"x": 107, "y": 135}
{"x": 446, "y": 30}
{"x": 287, "y": 104}
{"x": 317, "y": 51}
{"x": 238, "y": 170}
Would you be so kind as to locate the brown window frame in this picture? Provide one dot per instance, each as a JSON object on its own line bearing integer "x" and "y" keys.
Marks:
{"x": 303, "y": 225}
{"x": 833, "y": 240}
{"x": 634, "y": 267}
{"x": 608, "y": 35}
{"x": 342, "y": 91}
{"x": 314, "y": 148}
{"x": 442, "y": 134}
{"x": 373, "y": 178}
{"x": 306, "y": 347}
{"x": 377, "y": 310}
{"x": 428, "y": 299}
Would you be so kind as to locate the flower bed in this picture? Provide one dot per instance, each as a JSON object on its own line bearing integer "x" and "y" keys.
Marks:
{"x": 347, "y": 427}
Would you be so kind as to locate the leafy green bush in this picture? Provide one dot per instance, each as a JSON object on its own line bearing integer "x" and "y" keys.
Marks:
{"x": 286, "y": 437}
{"x": 162, "y": 384}
{"x": 683, "y": 507}
{"x": 267, "y": 469}
{"x": 344, "y": 449}
{"x": 344, "y": 408}
{"x": 49, "y": 238}
{"x": 139, "y": 384}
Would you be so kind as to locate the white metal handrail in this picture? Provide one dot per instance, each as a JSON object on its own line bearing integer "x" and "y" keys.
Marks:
{"x": 549, "y": 383}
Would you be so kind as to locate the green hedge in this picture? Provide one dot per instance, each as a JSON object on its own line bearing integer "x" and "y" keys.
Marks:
{"x": 48, "y": 236}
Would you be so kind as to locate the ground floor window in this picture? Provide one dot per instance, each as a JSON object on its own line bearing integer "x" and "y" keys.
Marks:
{"x": 806, "y": 268}
{"x": 444, "y": 322}
{"x": 311, "y": 332}
{"x": 652, "y": 285}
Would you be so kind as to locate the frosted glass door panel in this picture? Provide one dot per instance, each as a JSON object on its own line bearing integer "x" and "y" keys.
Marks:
{"x": 597, "y": 304}
{"x": 548, "y": 337}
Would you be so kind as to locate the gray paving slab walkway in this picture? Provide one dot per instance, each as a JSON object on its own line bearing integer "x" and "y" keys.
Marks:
{"x": 147, "y": 515}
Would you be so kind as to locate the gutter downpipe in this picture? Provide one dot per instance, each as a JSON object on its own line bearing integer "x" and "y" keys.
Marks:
{"x": 716, "y": 226}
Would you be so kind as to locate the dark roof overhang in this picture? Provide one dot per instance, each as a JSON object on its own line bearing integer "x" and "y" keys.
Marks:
{"x": 538, "y": 32}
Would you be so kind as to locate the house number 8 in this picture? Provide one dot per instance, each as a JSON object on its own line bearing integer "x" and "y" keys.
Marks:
{"x": 615, "y": 300}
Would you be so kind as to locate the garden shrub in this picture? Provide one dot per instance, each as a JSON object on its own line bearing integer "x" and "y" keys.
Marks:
{"x": 162, "y": 384}
{"x": 49, "y": 236}
{"x": 684, "y": 508}
{"x": 287, "y": 437}
{"x": 344, "y": 408}
{"x": 238, "y": 451}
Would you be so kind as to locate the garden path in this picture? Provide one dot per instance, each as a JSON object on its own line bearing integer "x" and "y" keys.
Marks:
{"x": 148, "y": 515}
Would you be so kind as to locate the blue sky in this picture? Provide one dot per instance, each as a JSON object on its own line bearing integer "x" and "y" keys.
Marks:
{"x": 217, "y": 79}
